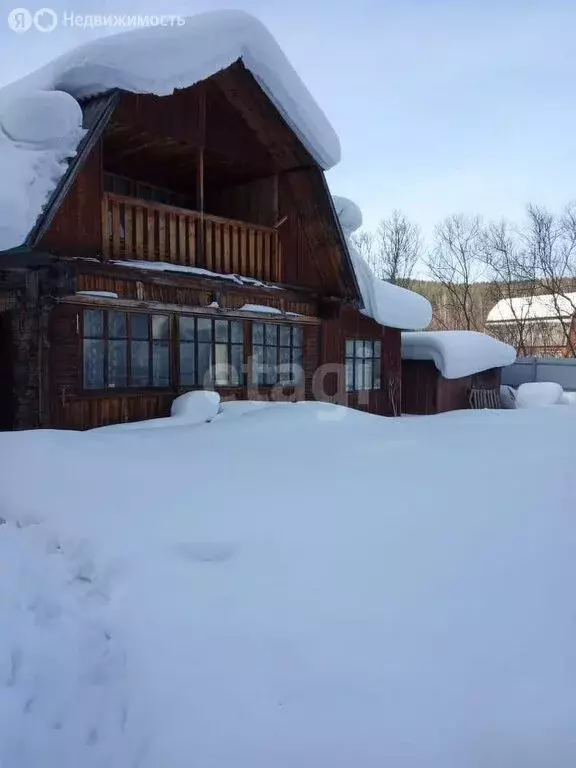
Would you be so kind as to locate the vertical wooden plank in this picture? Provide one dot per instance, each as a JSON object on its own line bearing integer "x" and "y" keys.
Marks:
{"x": 226, "y": 248}
{"x": 128, "y": 229}
{"x": 139, "y": 233}
{"x": 217, "y": 263}
{"x": 236, "y": 266}
{"x": 268, "y": 266}
{"x": 205, "y": 257}
{"x": 192, "y": 241}
{"x": 200, "y": 251}
{"x": 182, "y": 239}
{"x": 259, "y": 256}
{"x": 243, "y": 251}
{"x": 105, "y": 228}
{"x": 251, "y": 254}
{"x": 173, "y": 245}
{"x": 116, "y": 230}
{"x": 162, "y": 235}
{"x": 279, "y": 259}
{"x": 151, "y": 241}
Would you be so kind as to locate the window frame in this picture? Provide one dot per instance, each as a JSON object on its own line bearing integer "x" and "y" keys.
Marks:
{"x": 259, "y": 379}
{"x": 152, "y": 340}
{"x": 230, "y": 344}
{"x": 357, "y": 360}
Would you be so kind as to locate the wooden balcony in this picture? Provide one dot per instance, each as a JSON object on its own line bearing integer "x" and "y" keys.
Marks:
{"x": 137, "y": 229}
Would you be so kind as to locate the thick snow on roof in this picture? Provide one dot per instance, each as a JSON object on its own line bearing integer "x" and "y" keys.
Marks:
{"x": 542, "y": 307}
{"x": 457, "y": 353}
{"x": 388, "y": 304}
{"x": 150, "y": 60}
{"x": 287, "y": 620}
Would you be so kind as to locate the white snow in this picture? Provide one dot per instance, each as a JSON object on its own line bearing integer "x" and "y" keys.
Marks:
{"x": 507, "y": 396}
{"x": 386, "y": 303}
{"x": 39, "y": 133}
{"x": 154, "y": 60}
{"x": 164, "y": 266}
{"x": 264, "y": 309}
{"x": 98, "y": 294}
{"x": 457, "y": 353}
{"x": 536, "y": 394}
{"x": 547, "y": 306}
{"x": 276, "y": 589}
{"x": 197, "y": 406}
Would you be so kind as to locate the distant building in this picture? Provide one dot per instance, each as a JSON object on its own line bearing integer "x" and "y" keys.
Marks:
{"x": 538, "y": 326}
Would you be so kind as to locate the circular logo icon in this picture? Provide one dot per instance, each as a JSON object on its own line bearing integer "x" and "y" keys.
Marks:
{"x": 45, "y": 20}
{"x": 20, "y": 20}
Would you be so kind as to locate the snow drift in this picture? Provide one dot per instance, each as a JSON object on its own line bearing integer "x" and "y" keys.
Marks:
{"x": 388, "y": 304}
{"x": 457, "y": 353}
{"x": 536, "y": 394}
{"x": 154, "y": 60}
{"x": 371, "y": 592}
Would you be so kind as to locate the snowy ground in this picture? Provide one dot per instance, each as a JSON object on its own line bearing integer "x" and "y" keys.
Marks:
{"x": 296, "y": 586}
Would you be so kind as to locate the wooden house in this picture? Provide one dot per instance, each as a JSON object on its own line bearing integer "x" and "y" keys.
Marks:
{"x": 451, "y": 370}
{"x": 191, "y": 242}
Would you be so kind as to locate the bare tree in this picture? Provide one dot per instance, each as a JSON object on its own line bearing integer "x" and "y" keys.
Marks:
{"x": 393, "y": 250}
{"x": 455, "y": 262}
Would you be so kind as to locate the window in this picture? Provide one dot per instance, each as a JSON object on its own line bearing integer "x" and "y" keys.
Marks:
{"x": 277, "y": 354}
{"x": 211, "y": 352}
{"x": 124, "y": 350}
{"x": 362, "y": 365}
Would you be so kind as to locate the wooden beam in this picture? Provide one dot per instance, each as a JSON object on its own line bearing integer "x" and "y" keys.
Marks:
{"x": 201, "y": 256}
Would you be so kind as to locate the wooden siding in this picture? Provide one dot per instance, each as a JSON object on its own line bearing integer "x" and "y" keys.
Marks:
{"x": 425, "y": 391}
{"x": 77, "y": 226}
{"x": 341, "y": 324}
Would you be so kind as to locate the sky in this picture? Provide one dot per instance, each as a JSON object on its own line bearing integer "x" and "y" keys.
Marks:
{"x": 441, "y": 107}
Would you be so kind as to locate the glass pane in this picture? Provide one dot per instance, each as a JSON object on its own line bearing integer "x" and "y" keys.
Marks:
{"x": 349, "y": 375}
{"x": 237, "y": 329}
{"x": 271, "y": 334}
{"x": 270, "y": 365}
{"x": 93, "y": 364}
{"x": 297, "y": 366}
{"x": 284, "y": 366}
{"x": 93, "y": 323}
{"x": 237, "y": 370}
{"x": 204, "y": 329}
{"x": 285, "y": 335}
{"x": 187, "y": 364}
{"x": 117, "y": 325}
{"x": 368, "y": 374}
{"x": 161, "y": 364}
{"x": 221, "y": 329}
{"x": 160, "y": 327}
{"x": 186, "y": 328}
{"x": 221, "y": 367}
{"x": 363, "y": 349}
{"x": 359, "y": 382}
{"x": 117, "y": 363}
{"x": 297, "y": 336}
{"x": 139, "y": 358}
{"x": 258, "y": 364}
{"x": 350, "y": 348}
{"x": 257, "y": 333}
{"x": 205, "y": 376}
{"x": 377, "y": 381}
{"x": 139, "y": 326}
{"x": 377, "y": 345}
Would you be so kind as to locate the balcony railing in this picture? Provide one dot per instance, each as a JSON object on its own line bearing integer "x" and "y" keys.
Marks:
{"x": 137, "y": 229}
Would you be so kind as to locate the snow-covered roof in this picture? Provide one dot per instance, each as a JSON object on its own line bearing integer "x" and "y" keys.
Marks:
{"x": 457, "y": 353}
{"x": 547, "y": 306}
{"x": 40, "y": 118}
{"x": 386, "y": 303}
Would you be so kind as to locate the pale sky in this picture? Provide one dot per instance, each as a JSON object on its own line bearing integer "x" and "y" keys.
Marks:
{"x": 440, "y": 106}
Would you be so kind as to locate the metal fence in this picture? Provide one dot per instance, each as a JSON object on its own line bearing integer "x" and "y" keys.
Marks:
{"x": 541, "y": 369}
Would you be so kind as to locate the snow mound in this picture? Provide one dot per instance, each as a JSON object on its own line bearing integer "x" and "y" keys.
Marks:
{"x": 536, "y": 394}
{"x": 568, "y": 398}
{"x": 457, "y": 353}
{"x": 230, "y": 591}
{"x": 44, "y": 118}
{"x": 196, "y": 406}
{"x": 388, "y": 304}
{"x": 507, "y": 396}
